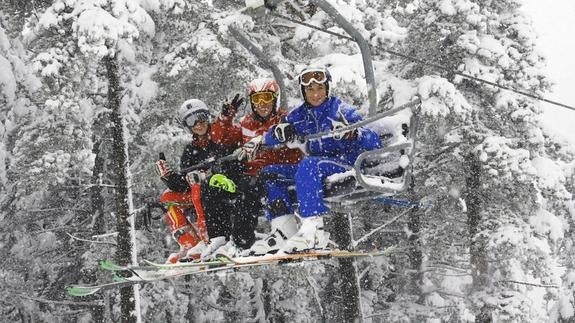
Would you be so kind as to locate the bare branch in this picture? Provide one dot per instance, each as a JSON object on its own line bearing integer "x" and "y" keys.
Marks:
{"x": 355, "y": 243}
{"x": 526, "y": 283}
{"x": 444, "y": 292}
{"x": 105, "y": 235}
{"x": 313, "y": 285}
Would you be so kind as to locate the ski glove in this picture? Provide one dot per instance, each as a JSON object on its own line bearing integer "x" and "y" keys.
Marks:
{"x": 196, "y": 177}
{"x": 347, "y": 135}
{"x": 239, "y": 153}
{"x": 230, "y": 109}
{"x": 162, "y": 168}
{"x": 351, "y": 134}
{"x": 250, "y": 148}
{"x": 285, "y": 132}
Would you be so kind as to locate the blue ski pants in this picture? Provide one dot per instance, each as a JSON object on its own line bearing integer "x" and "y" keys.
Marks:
{"x": 308, "y": 176}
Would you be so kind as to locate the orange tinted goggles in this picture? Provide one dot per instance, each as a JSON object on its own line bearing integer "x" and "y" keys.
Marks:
{"x": 262, "y": 97}
{"x": 318, "y": 77}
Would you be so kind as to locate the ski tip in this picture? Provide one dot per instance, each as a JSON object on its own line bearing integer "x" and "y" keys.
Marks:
{"x": 108, "y": 264}
{"x": 223, "y": 256}
{"x": 80, "y": 291}
{"x": 119, "y": 278}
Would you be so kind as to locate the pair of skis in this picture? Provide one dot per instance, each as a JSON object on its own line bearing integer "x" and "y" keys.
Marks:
{"x": 125, "y": 276}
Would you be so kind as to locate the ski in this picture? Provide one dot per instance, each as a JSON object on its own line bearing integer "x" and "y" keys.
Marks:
{"x": 110, "y": 265}
{"x": 131, "y": 275}
{"x": 141, "y": 276}
{"x": 151, "y": 272}
{"x": 185, "y": 264}
{"x": 304, "y": 256}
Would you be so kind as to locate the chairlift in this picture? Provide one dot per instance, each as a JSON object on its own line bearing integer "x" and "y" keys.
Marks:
{"x": 382, "y": 172}
{"x": 377, "y": 173}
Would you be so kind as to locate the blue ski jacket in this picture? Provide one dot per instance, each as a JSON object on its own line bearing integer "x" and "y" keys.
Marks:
{"x": 311, "y": 120}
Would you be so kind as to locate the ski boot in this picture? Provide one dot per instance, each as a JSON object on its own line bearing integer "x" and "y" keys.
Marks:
{"x": 310, "y": 236}
{"x": 183, "y": 232}
{"x": 282, "y": 228}
{"x": 209, "y": 252}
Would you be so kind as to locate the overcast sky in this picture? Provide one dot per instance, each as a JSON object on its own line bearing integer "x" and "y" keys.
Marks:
{"x": 553, "y": 21}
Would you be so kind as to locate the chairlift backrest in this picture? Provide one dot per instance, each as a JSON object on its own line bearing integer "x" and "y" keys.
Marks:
{"x": 383, "y": 171}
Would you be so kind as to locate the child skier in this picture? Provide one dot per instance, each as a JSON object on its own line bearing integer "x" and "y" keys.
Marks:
{"x": 328, "y": 155}
{"x": 264, "y": 94}
{"x": 227, "y": 214}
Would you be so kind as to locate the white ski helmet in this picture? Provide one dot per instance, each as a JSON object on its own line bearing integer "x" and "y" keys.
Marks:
{"x": 264, "y": 85}
{"x": 314, "y": 74}
{"x": 191, "y": 111}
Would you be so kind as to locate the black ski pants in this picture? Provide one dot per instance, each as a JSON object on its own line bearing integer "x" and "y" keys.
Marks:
{"x": 234, "y": 215}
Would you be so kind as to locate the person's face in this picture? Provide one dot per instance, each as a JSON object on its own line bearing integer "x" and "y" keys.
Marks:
{"x": 315, "y": 93}
{"x": 264, "y": 109}
{"x": 200, "y": 128}
{"x": 263, "y": 103}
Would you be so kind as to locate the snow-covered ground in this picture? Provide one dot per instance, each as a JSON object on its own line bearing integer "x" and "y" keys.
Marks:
{"x": 554, "y": 24}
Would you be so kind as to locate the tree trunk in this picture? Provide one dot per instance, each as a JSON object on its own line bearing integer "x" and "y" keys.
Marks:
{"x": 119, "y": 164}
{"x": 349, "y": 285}
{"x": 96, "y": 190}
{"x": 478, "y": 257}
{"x": 267, "y": 301}
{"x": 414, "y": 250}
{"x": 473, "y": 202}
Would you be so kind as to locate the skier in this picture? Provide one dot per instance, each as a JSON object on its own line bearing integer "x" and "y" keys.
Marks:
{"x": 217, "y": 195}
{"x": 264, "y": 94}
{"x": 328, "y": 155}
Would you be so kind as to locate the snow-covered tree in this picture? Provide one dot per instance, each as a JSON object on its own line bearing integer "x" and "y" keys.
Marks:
{"x": 501, "y": 188}
{"x": 483, "y": 166}
{"x": 72, "y": 41}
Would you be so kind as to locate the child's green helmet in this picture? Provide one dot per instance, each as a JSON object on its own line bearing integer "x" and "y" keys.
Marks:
{"x": 222, "y": 182}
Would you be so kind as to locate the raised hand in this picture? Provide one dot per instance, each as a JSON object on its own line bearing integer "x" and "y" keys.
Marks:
{"x": 230, "y": 109}
{"x": 162, "y": 167}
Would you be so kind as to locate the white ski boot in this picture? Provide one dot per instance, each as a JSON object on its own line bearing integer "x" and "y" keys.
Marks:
{"x": 210, "y": 250}
{"x": 196, "y": 251}
{"x": 310, "y": 236}
{"x": 230, "y": 249}
{"x": 283, "y": 228}
{"x": 175, "y": 257}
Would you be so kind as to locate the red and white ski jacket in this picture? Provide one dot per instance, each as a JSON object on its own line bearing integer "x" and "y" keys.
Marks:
{"x": 251, "y": 127}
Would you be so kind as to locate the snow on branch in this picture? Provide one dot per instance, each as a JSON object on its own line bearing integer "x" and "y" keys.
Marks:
{"x": 91, "y": 241}
{"x": 526, "y": 283}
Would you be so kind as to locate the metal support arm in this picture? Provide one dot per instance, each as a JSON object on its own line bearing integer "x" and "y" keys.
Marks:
{"x": 265, "y": 59}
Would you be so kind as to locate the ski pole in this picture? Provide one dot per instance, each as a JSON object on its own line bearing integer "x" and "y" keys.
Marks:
{"x": 209, "y": 162}
{"x": 402, "y": 203}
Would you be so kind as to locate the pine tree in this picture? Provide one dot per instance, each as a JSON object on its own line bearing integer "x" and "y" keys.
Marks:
{"x": 497, "y": 144}
{"x": 77, "y": 38}
{"x": 501, "y": 188}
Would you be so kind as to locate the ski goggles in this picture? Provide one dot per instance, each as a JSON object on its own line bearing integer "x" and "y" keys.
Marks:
{"x": 262, "y": 97}
{"x": 200, "y": 116}
{"x": 316, "y": 76}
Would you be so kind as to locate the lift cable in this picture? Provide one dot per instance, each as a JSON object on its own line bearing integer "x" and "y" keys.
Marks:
{"x": 423, "y": 62}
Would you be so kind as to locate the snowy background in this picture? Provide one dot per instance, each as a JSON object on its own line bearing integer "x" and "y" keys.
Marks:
{"x": 553, "y": 22}
{"x": 498, "y": 243}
